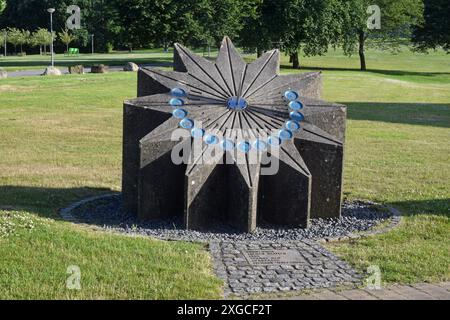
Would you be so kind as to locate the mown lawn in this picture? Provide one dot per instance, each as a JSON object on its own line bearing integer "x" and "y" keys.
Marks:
{"x": 61, "y": 141}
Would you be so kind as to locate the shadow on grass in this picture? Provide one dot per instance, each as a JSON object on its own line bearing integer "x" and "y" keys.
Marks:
{"x": 378, "y": 71}
{"x": 44, "y": 201}
{"x": 427, "y": 114}
{"x": 439, "y": 207}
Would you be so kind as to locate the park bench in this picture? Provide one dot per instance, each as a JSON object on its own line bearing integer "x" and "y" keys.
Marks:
{"x": 73, "y": 52}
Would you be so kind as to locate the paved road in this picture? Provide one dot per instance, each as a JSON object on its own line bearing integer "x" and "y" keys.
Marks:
{"x": 422, "y": 291}
{"x": 65, "y": 70}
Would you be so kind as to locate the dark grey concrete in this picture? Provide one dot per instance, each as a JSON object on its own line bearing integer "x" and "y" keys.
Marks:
{"x": 308, "y": 183}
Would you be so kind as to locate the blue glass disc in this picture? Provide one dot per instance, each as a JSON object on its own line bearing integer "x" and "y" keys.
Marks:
{"x": 285, "y": 134}
{"x": 227, "y": 144}
{"x": 291, "y": 95}
{"x": 197, "y": 132}
{"x": 187, "y": 123}
{"x": 292, "y": 125}
{"x": 297, "y": 116}
{"x": 244, "y": 146}
{"x": 260, "y": 145}
{"x": 274, "y": 141}
{"x": 179, "y": 113}
{"x": 236, "y": 103}
{"x": 178, "y": 92}
{"x": 211, "y": 139}
{"x": 176, "y": 102}
{"x": 295, "y": 105}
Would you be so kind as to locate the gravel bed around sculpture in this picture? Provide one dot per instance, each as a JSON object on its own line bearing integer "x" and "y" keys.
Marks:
{"x": 108, "y": 213}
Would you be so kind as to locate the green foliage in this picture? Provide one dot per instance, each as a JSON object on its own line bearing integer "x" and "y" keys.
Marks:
{"x": 18, "y": 37}
{"x": 224, "y": 17}
{"x": 66, "y": 37}
{"x": 397, "y": 20}
{"x": 435, "y": 31}
{"x": 3, "y": 36}
{"x": 41, "y": 37}
{"x": 292, "y": 25}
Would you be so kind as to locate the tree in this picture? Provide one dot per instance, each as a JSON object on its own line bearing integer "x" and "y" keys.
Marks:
{"x": 435, "y": 31}
{"x": 3, "y": 36}
{"x": 18, "y": 37}
{"x": 66, "y": 37}
{"x": 2, "y": 5}
{"x": 42, "y": 38}
{"x": 397, "y": 20}
{"x": 294, "y": 25}
{"x": 223, "y": 18}
{"x": 253, "y": 24}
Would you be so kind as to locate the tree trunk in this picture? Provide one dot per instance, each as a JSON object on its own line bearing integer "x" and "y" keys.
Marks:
{"x": 362, "y": 57}
{"x": 259, "y": 52}
{"x": 67, "y": 48}
{"x": 295, "y": 60}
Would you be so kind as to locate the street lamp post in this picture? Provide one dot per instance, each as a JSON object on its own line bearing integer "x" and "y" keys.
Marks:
{"x": 51, "y": 11}
{"x": 6, "y": 50}
{"x": 92, "y": 43}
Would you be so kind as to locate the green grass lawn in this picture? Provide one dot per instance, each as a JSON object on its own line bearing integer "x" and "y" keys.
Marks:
{"x": 149, "y": 56}
{"x": 61, "y": 141}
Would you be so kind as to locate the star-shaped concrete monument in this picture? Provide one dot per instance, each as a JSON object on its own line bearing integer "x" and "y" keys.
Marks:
{"x": 248, "y": 115}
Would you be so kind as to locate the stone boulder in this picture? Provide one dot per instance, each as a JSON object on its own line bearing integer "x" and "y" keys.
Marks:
{"x": 52, "y": 71}
{"x": 3, "y": 74}
{"x": 100, "y": 68}
{"x": 78, "y": 69}
{"x": 131, "y": 67}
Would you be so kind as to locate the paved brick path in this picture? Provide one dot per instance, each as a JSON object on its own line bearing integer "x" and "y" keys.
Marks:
{"x": 278, "y": 266}
{"x": 422, "y": 291}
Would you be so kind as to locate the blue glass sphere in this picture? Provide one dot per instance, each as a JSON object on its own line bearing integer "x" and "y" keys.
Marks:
{"x": 274, "y": 141}
{"x": 292, "y": 125}
{"x": 178, "y": 92}
{"x": 260, "y": 145}
{"x": 285, "y": 134}
{"x": 237, "y": 103}
{"x": 197, "y": 132}
{"x": 187, "y": 123}
{"x": 297, "y": 116}
{"x": 295, "y": 105}
{"x": 227, "y": 144}
{"x": 179, "y": 113}
{"x": 211, "y": 139}
{"x": 244, "y": 146}
{"x": 291, "y": 95}
{"x": 176, "y": 102}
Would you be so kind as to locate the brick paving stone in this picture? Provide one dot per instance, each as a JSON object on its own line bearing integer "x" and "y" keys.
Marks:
{"x": 329, "y": 295}
{"x": 436, "y": 291}
{"x": 394, "y": 292}
{"x": 385, "y": 294}
{"x": 357, "y": 295}
{"x": 445, "y": 285}
{"x": 411, "y": 292}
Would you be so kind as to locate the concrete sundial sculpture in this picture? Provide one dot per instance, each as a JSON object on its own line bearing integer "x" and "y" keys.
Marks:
{"x": 247, "y": 113}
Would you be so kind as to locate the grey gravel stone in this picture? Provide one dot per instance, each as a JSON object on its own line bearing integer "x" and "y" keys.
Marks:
{"x": 109, "y": 214}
